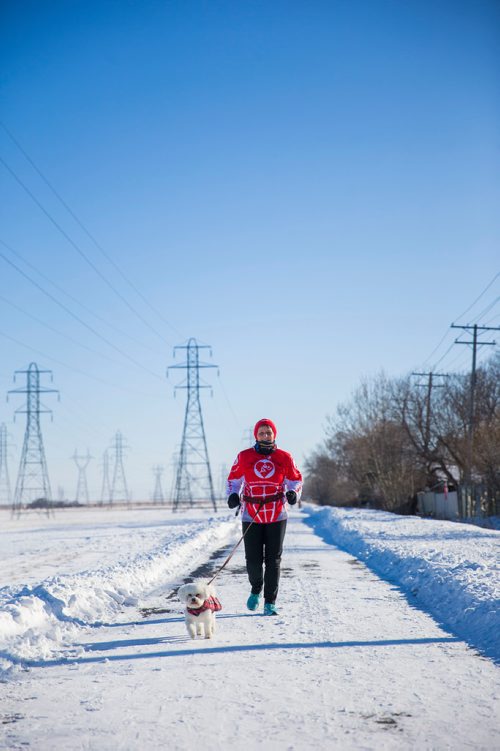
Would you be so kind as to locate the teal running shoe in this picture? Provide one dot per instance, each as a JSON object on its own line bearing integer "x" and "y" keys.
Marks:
{"x": 270, "y": 608}
{"x": 253, "y": 602}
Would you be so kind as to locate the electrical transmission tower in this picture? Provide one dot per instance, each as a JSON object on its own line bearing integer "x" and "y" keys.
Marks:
{"x": 33, "y": 479}
{"x": 119, "y": 489}
{"x": 194, "y": 477}
{"x": 158, "y": 496}
{"x": 82, "y": 490}
{"x": 174, "y": 464}
{"x": 248, "y": 437}
{"x": 223, "y": 481}
{"x": 5, "y": 491}
{"x": 106, "y": 488}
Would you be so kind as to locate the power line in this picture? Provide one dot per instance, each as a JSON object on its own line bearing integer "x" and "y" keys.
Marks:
{"x": 233, "y": 413}
{"x": 479, "y": 296}
{"x": 56, "y": 331}
{"x": 460, "y": 359}
{"x": 447, "y": 332}
{"x": 69, "y": 422}
{"x": 74, "y": 299}
{"x": 443, "y": 356}
{"x": 475, "y": 343}
{"x": 486, "y": 323}
{"x": 70, "y": 367}
{"x": 475, "y": 320}
{"x": 456, "y": 361}
{"x": 81, "y": 252}
{"x": 86, "y": 230}
{"x": 77, "y": 318}
{"x": 485, "y": 310}
{"x": 445, "y": 335}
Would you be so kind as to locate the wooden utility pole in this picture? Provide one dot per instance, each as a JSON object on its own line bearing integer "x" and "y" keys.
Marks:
{"x": 470, "y": 436}
{"x": 430, "y": 386}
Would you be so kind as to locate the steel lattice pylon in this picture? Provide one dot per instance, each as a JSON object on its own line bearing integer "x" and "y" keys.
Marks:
{"x": 33, "y": 478}
{"x": 82, "y": 462}
{"x": 193, "y": 480}
{"x": 158, "y": 496}
{"x": 5, "y": 492}
{"x": 106, "y": 488}
{"x": 119, "y": 488}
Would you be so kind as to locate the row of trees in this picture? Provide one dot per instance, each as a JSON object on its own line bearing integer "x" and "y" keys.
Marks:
{"x": 395, "y": 437}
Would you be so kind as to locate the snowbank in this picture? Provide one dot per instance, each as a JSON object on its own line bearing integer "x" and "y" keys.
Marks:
{"x": 448, "y": 569}
{"x": 36, "y": 620}
{"x": 35, "y": 547}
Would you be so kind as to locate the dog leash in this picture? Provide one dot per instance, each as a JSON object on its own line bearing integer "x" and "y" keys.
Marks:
{"x": 233, "y": 551}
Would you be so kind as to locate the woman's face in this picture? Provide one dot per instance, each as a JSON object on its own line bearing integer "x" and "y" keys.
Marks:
{"x": 265, "y": 433}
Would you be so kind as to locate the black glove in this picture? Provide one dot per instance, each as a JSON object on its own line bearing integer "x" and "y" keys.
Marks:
{"x": 291, "y": 497}
{"x": 233, "y": 500}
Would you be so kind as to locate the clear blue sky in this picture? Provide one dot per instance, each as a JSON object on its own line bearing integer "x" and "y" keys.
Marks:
{"x": 312, "y": 188}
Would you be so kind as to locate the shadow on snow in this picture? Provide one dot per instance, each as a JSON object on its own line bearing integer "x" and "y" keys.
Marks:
{"x": 221, "y": 650}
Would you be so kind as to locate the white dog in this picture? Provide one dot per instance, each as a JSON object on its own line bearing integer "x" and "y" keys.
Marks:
{"x": 201, "y": 606}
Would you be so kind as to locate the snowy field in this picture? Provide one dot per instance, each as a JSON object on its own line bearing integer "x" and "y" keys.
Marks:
{"x": 387, "y": 636}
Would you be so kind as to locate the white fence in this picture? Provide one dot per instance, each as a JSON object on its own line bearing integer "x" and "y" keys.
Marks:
{"x": 439, "y": 505}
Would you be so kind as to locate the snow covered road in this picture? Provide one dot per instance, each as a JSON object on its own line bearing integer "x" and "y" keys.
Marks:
{"x": 348, "y": 664}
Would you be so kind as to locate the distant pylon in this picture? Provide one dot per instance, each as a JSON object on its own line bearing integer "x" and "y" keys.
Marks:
{"x": 194, "y": 476}
{"x": 33, "y": 478}
{"x": 158, "y": 496}
{"x": 106, "y": 487}
{"x": 223, "y": 481}
{"x": 174, "y": 463}
{"x": 82, "y": 490}
{"x": 119, "y": 489}
{"x": 247, "y": 438}
{"x": 5, "y": 491}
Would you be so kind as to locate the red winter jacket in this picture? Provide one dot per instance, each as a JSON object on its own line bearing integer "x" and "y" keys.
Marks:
{"x": 264, "y": 480}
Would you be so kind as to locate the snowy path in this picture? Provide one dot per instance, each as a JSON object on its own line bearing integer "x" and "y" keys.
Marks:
{"x": 349, "y": 664}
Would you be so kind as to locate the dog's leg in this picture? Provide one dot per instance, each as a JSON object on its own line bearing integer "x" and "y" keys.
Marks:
{"x": 200, "y": 629}
{"x": 191, "y": 629}
{"x": 209, "y": 628}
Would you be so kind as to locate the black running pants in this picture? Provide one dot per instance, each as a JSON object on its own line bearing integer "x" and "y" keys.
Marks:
{"x": 263, "y": 548}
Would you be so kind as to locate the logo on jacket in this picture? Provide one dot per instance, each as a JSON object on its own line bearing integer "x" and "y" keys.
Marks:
{"x": 264, "y": 469}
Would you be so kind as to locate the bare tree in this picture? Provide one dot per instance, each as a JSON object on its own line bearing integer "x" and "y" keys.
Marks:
{"x": 370, "y": 443}
{"x": 391, "y": 440}
{"x": 486, "y": 446}
{"x": 326, "y": 482}
{"x": 419, "y": 415}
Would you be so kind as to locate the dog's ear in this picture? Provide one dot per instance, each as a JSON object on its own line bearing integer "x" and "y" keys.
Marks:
{"x": 181, "y": 592}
